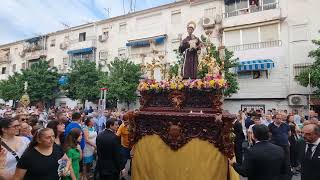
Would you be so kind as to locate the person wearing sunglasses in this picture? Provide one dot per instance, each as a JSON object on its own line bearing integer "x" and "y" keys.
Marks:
{"x": 22, "y": 118}
{"x": 25, "y": 130}
{"x": 13, "y": 145}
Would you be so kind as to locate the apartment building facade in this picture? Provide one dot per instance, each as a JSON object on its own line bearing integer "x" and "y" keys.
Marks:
{"x": 271, "y": 38}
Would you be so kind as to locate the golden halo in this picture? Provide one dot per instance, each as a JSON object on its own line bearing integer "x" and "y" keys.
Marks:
{"x": 192, "y": 24}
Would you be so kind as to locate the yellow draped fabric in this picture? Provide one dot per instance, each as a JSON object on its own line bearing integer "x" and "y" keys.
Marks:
{"x": 197, "y": 160}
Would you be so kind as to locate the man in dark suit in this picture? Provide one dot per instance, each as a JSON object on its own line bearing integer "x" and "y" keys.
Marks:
{"x": 238, "y": 140}
{"x": 264, "y": 161}
{"x": 110, "y": 161}
{"x": 309, "y": 153}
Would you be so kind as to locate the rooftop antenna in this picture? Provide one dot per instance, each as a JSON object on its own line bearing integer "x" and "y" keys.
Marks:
{"x": 65, "y": 25}
{"x": 108, "y": 11}
{"x": 131, "y": 6}
{"x": 124, "y": 10}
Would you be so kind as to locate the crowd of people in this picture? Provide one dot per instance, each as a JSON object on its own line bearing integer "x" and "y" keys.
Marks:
{"x": 277, "y": 145}
{"x": 64, "y": 143}
{"x": 76, "y": 144}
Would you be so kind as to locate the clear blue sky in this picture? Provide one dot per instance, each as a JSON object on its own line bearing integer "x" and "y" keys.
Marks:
{"x": 21, "y": 19}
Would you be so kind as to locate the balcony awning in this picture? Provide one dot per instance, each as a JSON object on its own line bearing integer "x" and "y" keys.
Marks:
{"x": 253, "y": 65}
{"x": 138, "y": 43}
{"x": 146, "y": 41}
{"x": 81, "y": 51}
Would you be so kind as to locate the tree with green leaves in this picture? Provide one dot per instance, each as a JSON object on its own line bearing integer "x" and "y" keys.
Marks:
{"x": 12, "y": 88}
{"x": 42, "y": 84}
{"x": 227, "y": 65}
{"x": 174, "y": 68}
{"x": 82, "y": 81}
{"x": 313, "y": 70}
{"x": 123, "y": 80}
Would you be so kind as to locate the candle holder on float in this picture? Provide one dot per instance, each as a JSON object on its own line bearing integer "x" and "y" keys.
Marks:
{"x": 150, "y": 67}
{"x": 143, "y": 65}
{"x": 25, "y": 99}
{"x": 164, "y": 68}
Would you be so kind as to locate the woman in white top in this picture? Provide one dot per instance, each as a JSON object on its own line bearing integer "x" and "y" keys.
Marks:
{"x": 90, "y": 135}
{"x": 12, "y": 144}
{"x": 242, "y": 118}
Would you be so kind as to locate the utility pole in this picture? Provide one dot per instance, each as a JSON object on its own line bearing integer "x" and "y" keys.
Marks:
{"x": 309, "y": 97}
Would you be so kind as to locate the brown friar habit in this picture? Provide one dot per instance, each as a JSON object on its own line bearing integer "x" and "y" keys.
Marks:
{"x": 190, "y": 58}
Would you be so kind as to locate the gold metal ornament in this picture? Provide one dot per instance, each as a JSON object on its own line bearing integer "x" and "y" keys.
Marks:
{"x": 25, "y": 100}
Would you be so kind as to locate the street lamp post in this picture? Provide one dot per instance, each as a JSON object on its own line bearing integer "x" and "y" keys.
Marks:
{"x": 309, "y": 97}
{"x": 103, "y": 98}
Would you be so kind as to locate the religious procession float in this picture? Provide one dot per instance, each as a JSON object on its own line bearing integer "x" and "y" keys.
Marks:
{"x": 181, "y": 131}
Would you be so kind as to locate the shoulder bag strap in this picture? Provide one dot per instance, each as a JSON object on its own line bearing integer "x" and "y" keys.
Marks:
{"x": 10, "y": 150}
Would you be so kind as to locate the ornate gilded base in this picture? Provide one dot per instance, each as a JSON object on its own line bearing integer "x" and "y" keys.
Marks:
{"x": 178, "y": 128}
{"x": 182, "y": 101}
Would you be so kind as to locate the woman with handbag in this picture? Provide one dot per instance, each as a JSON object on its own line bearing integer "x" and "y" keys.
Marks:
{"x": 13, "y": 145}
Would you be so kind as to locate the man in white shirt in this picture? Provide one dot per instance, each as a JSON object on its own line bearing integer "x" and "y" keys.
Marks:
{"x": 297, "y": 117}
{"x": 268, "y": 120}
{"x": 257, "y": 121}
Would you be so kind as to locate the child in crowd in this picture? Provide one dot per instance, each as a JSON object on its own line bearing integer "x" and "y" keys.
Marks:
{"x": 74, "y": 152}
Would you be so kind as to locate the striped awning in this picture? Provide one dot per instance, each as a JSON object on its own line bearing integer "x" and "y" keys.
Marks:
{"x": 146, "y": 41}
{"x": 253, "y": 65}
{"x": 81, "y": 51}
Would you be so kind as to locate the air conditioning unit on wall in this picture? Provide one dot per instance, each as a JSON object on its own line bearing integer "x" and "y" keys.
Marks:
{"x": 297, "y": 100}
{"x": 208, "y": 22}
{"x": 103, "y": 37}
{"x": 22, "y": 53}
{"x": 63, "y": 46}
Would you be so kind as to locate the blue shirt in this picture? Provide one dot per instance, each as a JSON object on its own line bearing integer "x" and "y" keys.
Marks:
{"x": 248, "y": 122}
{"x": 70, "y": 127}
{"x": 100, "y": 123}
{"x": 280, "y": 135}
{"x": 297, "y": 119}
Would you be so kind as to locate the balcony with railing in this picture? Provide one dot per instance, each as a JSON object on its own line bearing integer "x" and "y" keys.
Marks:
{"x": 252, "y": 14}
{"x": 35, "y": 54}
{"x": 89, "y": 42}
{"x": 258, "y": 45}
{"x": 299, "y": 68}
{"x": 34, "y": 48}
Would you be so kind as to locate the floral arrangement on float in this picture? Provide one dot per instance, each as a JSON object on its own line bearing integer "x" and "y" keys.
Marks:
{"x": 206, "y": 83}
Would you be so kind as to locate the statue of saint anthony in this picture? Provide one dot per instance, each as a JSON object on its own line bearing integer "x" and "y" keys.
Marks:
{"x": 189, "y": 47}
